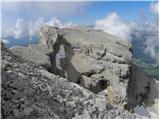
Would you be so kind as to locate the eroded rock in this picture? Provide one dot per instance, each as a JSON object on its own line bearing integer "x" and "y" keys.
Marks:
{"x": 87, "y": 55}
{"x": 143, "y": 91}
{"x": 41, "y": 94}
{"x": 75, "y": 69}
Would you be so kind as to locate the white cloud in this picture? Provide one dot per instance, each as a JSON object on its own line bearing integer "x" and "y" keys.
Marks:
{"x": 54, "y": 22}
{"x": 151, "y": 40}
{"x": 18, "y": 31}
{"x": 33, "y": 10}
{"x": 57, "y": 23}
{"x": 113, "y": 24}
{"x": 151, "y": 48}
{"x": 152, "y": 31}
{"x": 146, "y": 33}
{"x": 30, "y": 15}
{"x": 154, "y": 8}
{"x": 22, "y": 29}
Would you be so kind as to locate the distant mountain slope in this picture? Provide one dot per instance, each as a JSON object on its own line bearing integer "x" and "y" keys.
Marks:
{"x": 22, "y": 42}
{"x": 145, "y": 61}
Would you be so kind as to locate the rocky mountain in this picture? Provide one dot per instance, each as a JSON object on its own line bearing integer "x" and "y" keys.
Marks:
{"x": 75, "y": 73}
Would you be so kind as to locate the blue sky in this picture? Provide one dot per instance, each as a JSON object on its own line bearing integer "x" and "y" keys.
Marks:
{"x": 129, "y": 11}
{"x": 87, "y": 13}
{"x": 20, "y": 19}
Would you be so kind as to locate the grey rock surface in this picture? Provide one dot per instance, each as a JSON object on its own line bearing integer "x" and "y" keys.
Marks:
{"x": 91, "y": 55}
{"x": 143, "y": 89}
{"x": 34, "y": 53}
{"x": 74, "y": 73}
{"x": 86, "y": 53}
{"x": 29, "y": 91}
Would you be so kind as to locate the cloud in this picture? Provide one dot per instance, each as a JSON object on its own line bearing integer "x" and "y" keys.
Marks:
{"x": 152, "y": 47}
{"x": 22, "y": 29}
{"x": 144, "y": 31}
{"x": 57, "y": 23}
{"x": 113, "y": 24}
{"x": 23, "y": 18}
{"x": 54, "y": 22}
{"x": 150, "y": 36}
{"x": 152, "y": 30}
{"x": 18, "y": 31}
{"x": 32, "y": 10}
{"x": 154, "y": 8}
{"x": 147, "y": 36}
{"x": 147, "y": 33}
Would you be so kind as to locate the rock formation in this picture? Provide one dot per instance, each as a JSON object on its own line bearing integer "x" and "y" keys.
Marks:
{"x": 93, "y": 59}
{"x": 73, "y": 73}
{"x": 143, "y": 90}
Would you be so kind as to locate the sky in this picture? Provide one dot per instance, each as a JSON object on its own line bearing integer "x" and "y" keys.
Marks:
{"x": 121, "y": 18}
{"x": 77, "y": 12}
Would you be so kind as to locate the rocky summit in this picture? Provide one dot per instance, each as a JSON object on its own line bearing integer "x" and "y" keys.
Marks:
{"x": 75, "y": 73}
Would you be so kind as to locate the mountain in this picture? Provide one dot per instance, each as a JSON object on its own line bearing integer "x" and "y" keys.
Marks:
{"x": 75, "y": 73}
{"x": 142, "y": 59}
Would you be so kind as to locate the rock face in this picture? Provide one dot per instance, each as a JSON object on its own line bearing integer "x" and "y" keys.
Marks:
{"x": 143, "y": 89}
{"x": 34, "y": 53}
{"x": 73, "y": 73}
{"x": 29, "y": 91}
{"x": 93, "y": 59}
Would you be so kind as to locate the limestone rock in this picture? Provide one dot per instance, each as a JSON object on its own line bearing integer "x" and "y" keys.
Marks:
{"x": 48, "y": 38}
{"x": 29, "y": 91}
{"x": 74, "y": 73}
{"x": 143, "y": 90}
{"x": 34, "y": 53}
{"x": 88, "y": 53}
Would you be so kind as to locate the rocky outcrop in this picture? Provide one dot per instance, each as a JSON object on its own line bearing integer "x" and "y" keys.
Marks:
{"x": 143, "y": 91}
{"x": 93, "y": 59}
{"x": 85, "y": 73}
{"x": 29, "y": 91}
